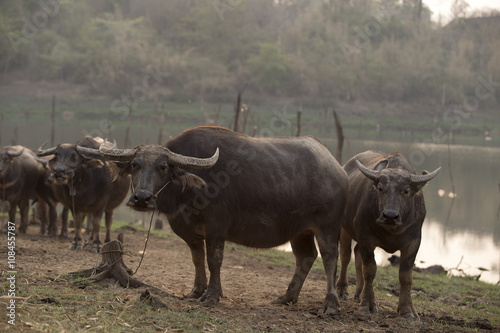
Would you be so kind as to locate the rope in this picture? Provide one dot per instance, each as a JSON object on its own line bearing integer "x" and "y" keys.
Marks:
{"x": 145, "y": 243}
{"x": 150, "y": 224}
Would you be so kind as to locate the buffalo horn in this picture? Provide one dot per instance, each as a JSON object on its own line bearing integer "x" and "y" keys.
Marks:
{"x": 191, "y": 162}
{"x": 15, "y": 154}
{"x": 88, "y": 151}
{"x": 419, "y": 179}
{"x": 115, "y": 154}
{"x": 45, "y": 152}
{"x": 371, "y": 174}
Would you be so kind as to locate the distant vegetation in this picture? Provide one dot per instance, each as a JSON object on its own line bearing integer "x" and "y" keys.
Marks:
{"x": 314, "y": 53}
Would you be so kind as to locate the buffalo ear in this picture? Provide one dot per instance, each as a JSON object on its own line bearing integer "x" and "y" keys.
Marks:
{"x": 93, "y": 163}
{"x": 186, "y": 179}
{"x": 381, "y": 165}
{"x": 117, "y": 169}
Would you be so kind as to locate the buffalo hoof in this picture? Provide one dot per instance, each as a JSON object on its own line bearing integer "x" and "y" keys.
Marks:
{"x": 285, "y": 299}
{"x": 42, "y": 229}
{"x": 368, "y": 308}
{"x": 53, "y": 232}
{"x": 195, "y": 294}
{"x": 75, "y": 246}
{"x": 95, "y": 248}
{"x": 343, "y": 294}
{"x": 210, "y": 299}
{"x": 331, "y": 305}
{"x": 63, "y": 234}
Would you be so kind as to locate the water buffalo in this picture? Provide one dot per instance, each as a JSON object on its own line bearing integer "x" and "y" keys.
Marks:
{"x": 258, "y": 192}
{"x": 21, "y": 180}
{"x": 83, "y": 184}
{"x": 385, "y": 208}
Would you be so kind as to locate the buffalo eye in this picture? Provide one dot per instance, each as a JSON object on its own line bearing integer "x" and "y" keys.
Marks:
{"x": 163, "y": 168}
{"x": 72, "y": 158}
{"x": 133, "y": 165}
{"x": 406, "y": 191}
{"x": 380, "y": 188}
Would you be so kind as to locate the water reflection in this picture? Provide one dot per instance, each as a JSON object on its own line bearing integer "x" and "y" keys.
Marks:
{"x": 458, "y": 252}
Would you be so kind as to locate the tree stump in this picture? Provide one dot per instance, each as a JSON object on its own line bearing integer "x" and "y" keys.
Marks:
{"x": 112, "y": 266}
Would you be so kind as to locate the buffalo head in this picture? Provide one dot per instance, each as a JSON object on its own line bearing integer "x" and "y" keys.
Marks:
{"x": 153, "y": 168}
{"x": 67, "y": 158}
{"x": 395, "y": 189}
{"x": 7, "y": 156}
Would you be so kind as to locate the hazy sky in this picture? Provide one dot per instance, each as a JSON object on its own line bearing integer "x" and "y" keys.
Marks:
{"x": 443, "y": 7}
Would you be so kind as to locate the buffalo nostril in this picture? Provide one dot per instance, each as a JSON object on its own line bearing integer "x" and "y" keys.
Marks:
{"x": 141, "y": 198}
{"x": 389, "y": 215}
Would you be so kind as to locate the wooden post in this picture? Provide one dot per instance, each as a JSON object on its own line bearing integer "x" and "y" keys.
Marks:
{"x": 237, "y": 112}
{"x": 245, "y": 116}
{"x": 340, "y": 137}
{"x": 127, "y": 130}
{"x": 53, "y": 121}
{"x": 299, "y": 116}
{"x": 160, "y": 134}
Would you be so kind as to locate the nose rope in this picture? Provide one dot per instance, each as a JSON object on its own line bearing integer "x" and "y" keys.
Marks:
{"x": 156, "y": 195}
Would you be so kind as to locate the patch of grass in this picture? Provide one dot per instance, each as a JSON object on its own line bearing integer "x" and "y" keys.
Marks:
{"x": 56, "y": 305}
{"x": 439, "y": 294}
{"x": 127, "y": 227}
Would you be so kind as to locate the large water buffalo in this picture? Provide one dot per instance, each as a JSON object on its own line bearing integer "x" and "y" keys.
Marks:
{"x": 22, "y": 176}
{"x": 83, "y": 184}
{"x": 215, "y": 185}
{"x": 385, "y": 208}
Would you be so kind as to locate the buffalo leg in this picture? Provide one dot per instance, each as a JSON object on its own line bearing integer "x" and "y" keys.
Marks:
{"x": 52, "y": 219}
{"x": 305, "y": 252}
{"x": 358, "y": 263}
{"x": 369, "y": 271}
{"x": 108, "y": 218}
{"x": 96, "y": 227}
{"x": 328, "y": 247}
{"x": 64, "y": 219}
{"x": 42, "y": 214}
{"x": 200, "y": 279}
{"x": 345, "y": 259}
{"x": 24, "y": 207}
{"x": 77, "y": 241}
{"x": 405, "y": 305}
{"x": 215, "y": 254}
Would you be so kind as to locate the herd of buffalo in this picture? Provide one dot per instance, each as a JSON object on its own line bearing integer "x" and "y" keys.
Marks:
{"x": 215, "y": 185}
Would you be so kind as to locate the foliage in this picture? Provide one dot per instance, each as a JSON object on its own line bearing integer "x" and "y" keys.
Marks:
{"x": 314, "y": 52}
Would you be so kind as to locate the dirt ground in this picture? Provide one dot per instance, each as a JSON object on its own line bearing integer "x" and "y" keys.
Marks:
{"x": 249, "y": 286}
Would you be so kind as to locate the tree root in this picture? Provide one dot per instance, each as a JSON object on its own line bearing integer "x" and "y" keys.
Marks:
{"x": 112, "y": 266}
